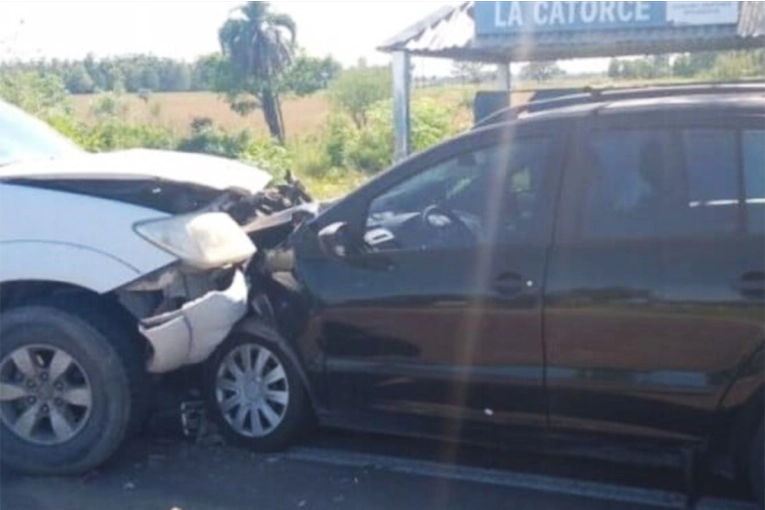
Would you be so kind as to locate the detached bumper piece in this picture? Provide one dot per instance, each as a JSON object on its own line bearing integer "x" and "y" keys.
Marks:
{"x": 191, "y": 333}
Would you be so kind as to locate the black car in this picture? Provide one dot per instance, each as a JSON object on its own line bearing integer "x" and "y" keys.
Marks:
{"x": 590, "y": 273}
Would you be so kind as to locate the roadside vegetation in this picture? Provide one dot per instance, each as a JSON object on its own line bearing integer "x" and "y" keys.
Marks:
{"x": 335, "y": 157}
{"x": 264, "y": 100}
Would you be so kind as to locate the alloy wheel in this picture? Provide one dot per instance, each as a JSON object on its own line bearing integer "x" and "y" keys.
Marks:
{"x": 45, "y": 395}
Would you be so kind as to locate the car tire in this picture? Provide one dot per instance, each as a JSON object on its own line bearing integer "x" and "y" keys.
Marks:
{"x": 255, "y": 394}
{"x": 69, "y": 388}
{"x": 757, "y": 464}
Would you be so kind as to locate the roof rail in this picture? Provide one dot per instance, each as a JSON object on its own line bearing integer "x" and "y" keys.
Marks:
{"x": 593, "y": 95}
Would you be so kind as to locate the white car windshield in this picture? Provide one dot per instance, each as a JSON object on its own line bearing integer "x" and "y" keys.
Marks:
{"x": 23, "y": 137}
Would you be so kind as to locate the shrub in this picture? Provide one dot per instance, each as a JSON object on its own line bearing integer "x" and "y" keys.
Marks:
{"x": 336, "y": 138}
{"x": 109, "y": 105}
{"x": 432, "y": 123}
{"x": 357, "y": 90}
{"x": 39, "y": 94}
{"x": 310, "y": 157}
{"x": 113, "y": 134}
{"x": 267, "y": 154}
{"x": 371, "y": 149}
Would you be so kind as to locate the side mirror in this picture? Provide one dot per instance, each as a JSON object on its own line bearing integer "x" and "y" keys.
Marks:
{"x": 304, "y": 213}
{"x": 333, "y": 240}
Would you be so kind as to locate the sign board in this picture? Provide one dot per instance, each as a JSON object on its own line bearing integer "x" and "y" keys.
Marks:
{"x": 498, "y": 18}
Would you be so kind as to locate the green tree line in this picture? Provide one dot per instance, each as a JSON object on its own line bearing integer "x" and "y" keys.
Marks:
{"x": 731, "y": 65}
{"x": 148, "y": 73}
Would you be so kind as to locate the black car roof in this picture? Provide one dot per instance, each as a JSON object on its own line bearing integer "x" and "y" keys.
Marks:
{"x": 708, "y": 98}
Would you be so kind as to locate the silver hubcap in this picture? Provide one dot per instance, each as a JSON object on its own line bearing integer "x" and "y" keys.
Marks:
{"x": 252, "y": 390}
{"x": 45, "y": 395}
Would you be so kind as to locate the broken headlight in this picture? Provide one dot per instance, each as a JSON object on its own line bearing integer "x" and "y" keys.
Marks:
{"x": 205, "y": 241}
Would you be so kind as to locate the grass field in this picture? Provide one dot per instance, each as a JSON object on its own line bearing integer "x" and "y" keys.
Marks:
{"x": 178, "y": 109}
{"x": 302, "y": 115}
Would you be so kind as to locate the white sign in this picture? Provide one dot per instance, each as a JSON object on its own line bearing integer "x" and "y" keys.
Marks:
{"x": 702, "y": 13}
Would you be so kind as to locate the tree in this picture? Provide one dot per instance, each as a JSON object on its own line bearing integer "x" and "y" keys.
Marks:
{"x": 258, "y": 46}
{"x": 78, "y": 81}
{"x": 150, "y": 79}
{"x": 356, "y": 90}
{"x": 132, "y": 76}
{"x": 541, "y": 71}
{"x": 309, "y": 74}
{"x": 206, "y": 72}
{"x": 470, "y": 72}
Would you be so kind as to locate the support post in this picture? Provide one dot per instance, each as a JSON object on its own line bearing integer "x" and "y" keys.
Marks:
{"x": 504, "y": 80}
{"x": 401, "y": 119}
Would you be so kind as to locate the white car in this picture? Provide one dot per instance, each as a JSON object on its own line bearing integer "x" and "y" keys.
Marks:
{"x": 113, "y": 267}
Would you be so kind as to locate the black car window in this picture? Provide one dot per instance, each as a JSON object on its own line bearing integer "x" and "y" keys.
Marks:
{"x": 753, "y": 145}
{"x": 709, "y": 157}
{"x": 625, "y": 183}
{"x": 643, "y": 184}
{"x": 482, "y": 196}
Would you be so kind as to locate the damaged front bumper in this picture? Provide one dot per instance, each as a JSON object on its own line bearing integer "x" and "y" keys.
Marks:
{"x": 195, "y": 314}
{"x": 190, "y": 334}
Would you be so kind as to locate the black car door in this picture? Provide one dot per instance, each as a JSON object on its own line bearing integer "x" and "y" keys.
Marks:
{"x": 438, "y": 322}
{"x": 655, "y": 284}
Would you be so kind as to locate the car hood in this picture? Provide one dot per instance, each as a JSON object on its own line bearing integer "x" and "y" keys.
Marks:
{"x": 200, "y": 169}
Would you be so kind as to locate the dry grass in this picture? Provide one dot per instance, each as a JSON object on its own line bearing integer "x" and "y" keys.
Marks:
{"x": 178, "y": 109}
{"x": 302, "y": 115}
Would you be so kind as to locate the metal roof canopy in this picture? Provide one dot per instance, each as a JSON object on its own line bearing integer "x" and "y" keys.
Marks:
{"x": 450, "y": 32}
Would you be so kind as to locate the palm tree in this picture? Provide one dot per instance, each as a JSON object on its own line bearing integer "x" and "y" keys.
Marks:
{"x": 259, "y": 46}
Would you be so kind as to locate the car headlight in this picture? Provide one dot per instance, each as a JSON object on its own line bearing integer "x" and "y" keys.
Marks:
{"x": 205, "y": 241}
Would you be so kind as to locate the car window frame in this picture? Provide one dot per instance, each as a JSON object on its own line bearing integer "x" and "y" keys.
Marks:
{"x": 558, "y": 133}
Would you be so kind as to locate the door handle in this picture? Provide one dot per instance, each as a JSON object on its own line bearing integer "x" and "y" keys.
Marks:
{"x": 752, "y": 284}
{"x": 509, "y": 284}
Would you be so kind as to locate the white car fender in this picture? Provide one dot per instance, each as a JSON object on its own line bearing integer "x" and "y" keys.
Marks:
{"x": 73, "y": 238}
{"x": 63, "y": 263}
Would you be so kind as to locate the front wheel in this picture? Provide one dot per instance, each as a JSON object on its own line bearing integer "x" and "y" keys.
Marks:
{"x": 254, "y": 392}
{"x": 65, "y": 391}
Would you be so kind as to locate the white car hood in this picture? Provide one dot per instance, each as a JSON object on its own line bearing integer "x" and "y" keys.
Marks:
{"x": 204, "y": 170}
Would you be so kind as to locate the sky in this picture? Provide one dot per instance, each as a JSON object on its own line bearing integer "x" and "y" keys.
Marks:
{"x": 348, "y": 30}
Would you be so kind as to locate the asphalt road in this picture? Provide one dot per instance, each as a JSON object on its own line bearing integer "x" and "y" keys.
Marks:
{"x": 354, "y": 472}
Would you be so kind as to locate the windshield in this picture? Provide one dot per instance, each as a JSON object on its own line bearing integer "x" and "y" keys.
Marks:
{"x": 23, "y": 137}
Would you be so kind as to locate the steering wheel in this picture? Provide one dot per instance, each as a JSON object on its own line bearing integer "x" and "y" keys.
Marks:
{"x": 430, "y": 218}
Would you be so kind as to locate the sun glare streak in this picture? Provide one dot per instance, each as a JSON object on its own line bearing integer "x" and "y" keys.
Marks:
{"x": 481, "y": 302}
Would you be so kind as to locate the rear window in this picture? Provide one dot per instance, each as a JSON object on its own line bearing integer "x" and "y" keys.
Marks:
{"x": 694, "y": 182}
{"x": 626, "y": 178}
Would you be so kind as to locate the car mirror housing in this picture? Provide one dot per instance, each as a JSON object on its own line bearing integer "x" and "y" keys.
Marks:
{"x": 333, "y": 240}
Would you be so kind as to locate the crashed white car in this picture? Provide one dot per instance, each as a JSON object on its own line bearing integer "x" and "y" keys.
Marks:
{"x": 112, "y": 267}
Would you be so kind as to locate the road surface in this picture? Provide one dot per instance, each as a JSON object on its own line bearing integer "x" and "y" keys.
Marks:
{"x": 353, "y": 472}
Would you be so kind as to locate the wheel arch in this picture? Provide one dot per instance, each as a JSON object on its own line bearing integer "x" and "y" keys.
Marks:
{"x": 67, "y": 296}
